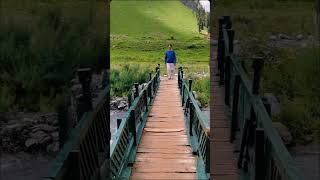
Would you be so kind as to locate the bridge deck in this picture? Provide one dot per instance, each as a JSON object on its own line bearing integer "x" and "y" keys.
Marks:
{"x": 223, "y": 156}
{"x": 164, "y": 151}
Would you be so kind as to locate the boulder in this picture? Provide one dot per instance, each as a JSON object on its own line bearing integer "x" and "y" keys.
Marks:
{"x": 283, "y": 132}
{"x": 273, "y": 38}
{"x": 31, "y": 142}
{"x": 53, "y": 148}
{"x": 299, "y": 37}
{"x": 275, "y": 104}
{"x": 38, "y": 135}
{"x": 43, "y": 127}
{"x": 122, "y": 105}
{"x": 284, "y": 36}
{"x": 13, "y": 128}
{"x": 45, "y": 140}
{"x": 55, "y": 136}
{"x": 195, "y": 94}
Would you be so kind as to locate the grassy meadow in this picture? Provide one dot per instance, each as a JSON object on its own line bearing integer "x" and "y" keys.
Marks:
{"x": 140, "y": 34}
{"x": 42, "y": 43}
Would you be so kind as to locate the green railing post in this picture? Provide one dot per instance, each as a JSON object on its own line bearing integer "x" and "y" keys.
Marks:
{"x": 222, "y": 59}
{"x": 220, "y": 37}
{"x": 145, "y": 95}
{"x": 191, "y": 115}
{"x": 74, "y": 171}
{"x": 260, "y": 169}
{"x": 227, "y": 21}
{"x": 243, "y": 142}
{"x": 182, "y": 75}
{"x": 234, "y": 118}
{"x": 207, "y": 155}
{"x": 190, "y": 84}
{"x": 84, "y": 75}
{"x": 228, "y": 81}
{"x": 257, "y": 67}
{"x": 230, "y": 33}
{"x": 129, "y": 100}
{"x": 267, "y": 105}
{"x": 118, "y": 123}
{"x": 64, "y": 121}
{"x": 179, "y": 69}
{"x": 132, "y": 121}
{"x": 136, "y": 93}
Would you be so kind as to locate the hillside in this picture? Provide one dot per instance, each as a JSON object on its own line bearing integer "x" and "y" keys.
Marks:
{"x": 141, "y": 31}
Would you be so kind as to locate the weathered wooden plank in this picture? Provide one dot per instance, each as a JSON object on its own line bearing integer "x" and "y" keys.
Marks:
{"x": 162, "y": 176}
{"x": 164, "y": 151}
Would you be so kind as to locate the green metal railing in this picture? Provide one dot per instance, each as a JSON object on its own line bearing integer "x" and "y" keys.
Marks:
{"x": 197, "y": 127}
{"x": 86, "y": 149}
{"x": 263, "y": 155}
{"x": 124, "y": 147}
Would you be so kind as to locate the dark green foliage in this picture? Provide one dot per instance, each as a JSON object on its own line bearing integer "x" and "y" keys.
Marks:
{"x": 123, "y": 78}
{"x": 41, "y": 49}
{"x": 202, "y": 87}
{"x": 294, "y": 81}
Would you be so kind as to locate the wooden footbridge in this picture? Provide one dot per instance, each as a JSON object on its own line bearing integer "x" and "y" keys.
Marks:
{"x": 165, "y": 135}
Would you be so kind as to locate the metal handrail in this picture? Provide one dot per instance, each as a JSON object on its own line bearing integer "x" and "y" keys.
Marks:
{"x": 263, "y": 155}
{"x": 197, "y": 127}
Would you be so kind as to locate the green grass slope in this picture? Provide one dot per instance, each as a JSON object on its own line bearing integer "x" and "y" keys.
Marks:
{"x": 141, "y": 31}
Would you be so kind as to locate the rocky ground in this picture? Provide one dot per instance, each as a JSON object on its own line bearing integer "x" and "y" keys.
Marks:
{"x": 30, "y": 140}
{"x": 29, "y": 132}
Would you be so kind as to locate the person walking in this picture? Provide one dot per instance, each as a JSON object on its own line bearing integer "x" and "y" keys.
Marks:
{"x": 170, "y": 61}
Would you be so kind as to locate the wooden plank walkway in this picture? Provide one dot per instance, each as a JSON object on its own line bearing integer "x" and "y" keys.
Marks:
{"x": 164, "y": 151}
{"x": 223, "y": 156}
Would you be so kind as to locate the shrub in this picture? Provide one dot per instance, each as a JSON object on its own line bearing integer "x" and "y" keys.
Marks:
{"x": 123, "y": 77}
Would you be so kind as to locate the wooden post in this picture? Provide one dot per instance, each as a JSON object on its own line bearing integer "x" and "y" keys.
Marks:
{"x": 260, "y": 170}
{"x": 84, "y": 76}
{"x": 235, "y": 104}
{"x": 190, "y": 84}
{"x": 118, "y": 123}
{"x": 150, "y": 76}
{"x": 257, "y": 66}
{"x": 136, "y": 93}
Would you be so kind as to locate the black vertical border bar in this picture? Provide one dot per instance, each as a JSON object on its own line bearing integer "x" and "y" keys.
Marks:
{"x": 106, "y": 67}
{"x": 212, "y": 74}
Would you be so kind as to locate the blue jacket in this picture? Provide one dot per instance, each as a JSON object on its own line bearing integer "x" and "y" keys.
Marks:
{"x": 170, "y": 57}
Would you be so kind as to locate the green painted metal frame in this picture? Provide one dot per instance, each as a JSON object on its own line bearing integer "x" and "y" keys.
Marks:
{"x": 124, "y": 147}
{"x": 73, "y": 160}
{"x": 198, "y": 129}
{"x": 277, "y": 162}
